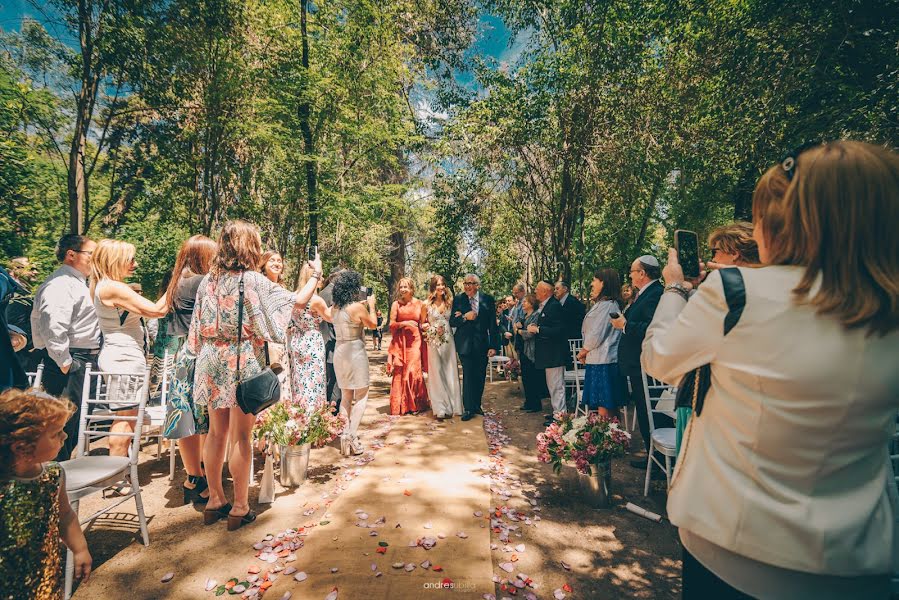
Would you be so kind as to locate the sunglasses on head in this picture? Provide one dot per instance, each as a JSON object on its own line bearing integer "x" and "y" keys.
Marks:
{"x": 788, "y": 162}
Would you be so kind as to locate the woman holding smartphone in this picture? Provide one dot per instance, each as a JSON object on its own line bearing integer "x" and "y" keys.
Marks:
{"x": 350, "y": 317}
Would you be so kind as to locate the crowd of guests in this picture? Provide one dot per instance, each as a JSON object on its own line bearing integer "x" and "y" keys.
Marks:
{"x": 785, "y": 491}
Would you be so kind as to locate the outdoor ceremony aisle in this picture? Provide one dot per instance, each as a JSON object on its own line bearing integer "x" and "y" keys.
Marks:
{"x": 365, "y": 524}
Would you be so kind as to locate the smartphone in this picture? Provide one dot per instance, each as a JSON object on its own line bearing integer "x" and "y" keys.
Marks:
{"x": 313, "y": 251}
{"x": 614, "y": 315}
{"x": 369, "y": 291}
{"x": 687, "y": 245}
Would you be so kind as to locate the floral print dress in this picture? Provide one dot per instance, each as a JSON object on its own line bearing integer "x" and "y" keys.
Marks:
{"x": 267, "y": 311}
{"x": 306, "y": 353}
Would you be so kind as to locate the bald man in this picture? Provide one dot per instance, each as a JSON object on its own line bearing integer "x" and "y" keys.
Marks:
{"x": 551, "y": 347}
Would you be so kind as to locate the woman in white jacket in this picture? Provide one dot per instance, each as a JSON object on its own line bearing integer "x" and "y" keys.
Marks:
{"x": 602, "y": 381}
{"x": 784, "y": 486}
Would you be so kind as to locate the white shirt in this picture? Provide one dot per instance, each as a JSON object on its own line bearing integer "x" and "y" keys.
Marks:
{"x": 640, "y": 289}
{"x": 63, "y": 316}
{"x": 563, "y": 299}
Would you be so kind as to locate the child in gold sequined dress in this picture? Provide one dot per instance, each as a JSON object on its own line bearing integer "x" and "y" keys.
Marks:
{"x": 34, "y": 509}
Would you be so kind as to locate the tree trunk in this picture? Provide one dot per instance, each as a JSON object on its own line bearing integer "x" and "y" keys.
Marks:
{"x": 397, "y": 262}
{"x": 77, "y": 183}
{"x": 304, "y": 112}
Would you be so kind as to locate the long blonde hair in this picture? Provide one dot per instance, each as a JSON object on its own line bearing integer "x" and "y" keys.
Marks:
{"x": 111, "y": 260}
{"x": 838, "y": 219}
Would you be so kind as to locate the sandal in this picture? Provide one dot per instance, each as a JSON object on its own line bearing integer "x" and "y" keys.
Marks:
{"x": 194, "y": 488}
{"x": 237, "y": 521}
{"x": 212, "y": 515}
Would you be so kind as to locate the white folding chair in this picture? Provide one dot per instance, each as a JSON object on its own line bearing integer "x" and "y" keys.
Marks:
{"x": 574, "y": 377}
{"x": 86, "y": 474}
{"x": 36, "y": 377}
{"x": 155, "y": 414}
{"x": 497, "y": 362}
{"x": 661, "y": 439}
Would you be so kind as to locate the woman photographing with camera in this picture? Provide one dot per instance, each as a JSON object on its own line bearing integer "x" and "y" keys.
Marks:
{"x": 784, "y": 486}
{"x": 350, "y": 318}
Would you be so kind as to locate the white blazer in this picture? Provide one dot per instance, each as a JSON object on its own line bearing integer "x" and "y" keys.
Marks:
{"x": 787, "y": 464}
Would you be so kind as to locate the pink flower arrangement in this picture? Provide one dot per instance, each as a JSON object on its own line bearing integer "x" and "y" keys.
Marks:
{"x": 512, "y": 369}
{"x": 586, "y": 440}
{"x": 290, "y": 424}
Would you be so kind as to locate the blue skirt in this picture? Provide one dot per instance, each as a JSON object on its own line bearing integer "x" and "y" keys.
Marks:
{"x": 603, "y": 386}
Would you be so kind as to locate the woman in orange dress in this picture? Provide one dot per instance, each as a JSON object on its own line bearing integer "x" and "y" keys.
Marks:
{"x": 408, "y": 393}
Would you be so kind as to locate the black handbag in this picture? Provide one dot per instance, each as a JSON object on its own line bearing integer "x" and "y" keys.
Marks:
{"x": 695, "y": 385}
{"x": 260, "y": 391}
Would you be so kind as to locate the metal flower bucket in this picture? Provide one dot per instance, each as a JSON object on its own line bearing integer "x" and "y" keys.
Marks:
{"x": 597, "y": 486}
{"x": 294, "y": 463}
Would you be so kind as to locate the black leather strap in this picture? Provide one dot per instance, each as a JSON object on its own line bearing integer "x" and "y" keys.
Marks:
{"x": 239, "y": 322}
{"x": 734, "y": 294}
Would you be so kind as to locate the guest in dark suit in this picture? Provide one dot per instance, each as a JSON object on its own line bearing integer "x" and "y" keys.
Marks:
{"x": 332, "y": 393}
{"x": 551, "y": 348}
{"x": 477, "y": 339}
{"x": 645, "y": 273}
{"x": 573, "y": 310}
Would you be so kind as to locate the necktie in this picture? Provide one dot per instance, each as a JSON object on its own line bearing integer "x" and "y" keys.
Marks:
{"x": 474, "y": 304}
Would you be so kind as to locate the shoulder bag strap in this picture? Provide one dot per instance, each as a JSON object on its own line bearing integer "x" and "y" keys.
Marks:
{"x": 239, "y": 322}
{"x": 734, "y": 294}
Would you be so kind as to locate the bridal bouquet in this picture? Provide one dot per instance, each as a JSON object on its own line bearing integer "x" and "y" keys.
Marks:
{"x": 586, "y": 440}
{"x": 289, "y": 424}
{"x": 438, "y": 333}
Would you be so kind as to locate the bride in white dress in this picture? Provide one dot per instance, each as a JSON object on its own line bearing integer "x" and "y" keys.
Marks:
{"x": 444, "y": 390}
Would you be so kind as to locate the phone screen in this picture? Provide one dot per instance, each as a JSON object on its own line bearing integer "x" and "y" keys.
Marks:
{"x": 313, "y": 250}
{"x": 687, "y": 245}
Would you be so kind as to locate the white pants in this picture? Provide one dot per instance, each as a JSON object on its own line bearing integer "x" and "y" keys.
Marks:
{"x": 555, "y": 381}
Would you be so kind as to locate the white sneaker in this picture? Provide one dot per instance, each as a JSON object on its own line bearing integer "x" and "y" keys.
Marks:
{"x": 356, "y": 446}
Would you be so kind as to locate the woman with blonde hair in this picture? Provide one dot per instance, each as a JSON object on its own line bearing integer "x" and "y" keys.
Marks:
{"x": 443, "y": 388}
{"x": 733, "y": 245}
{"x": 193, "y": 262}
{"x": 271, "y": 264}
{"x": 792, "y": 433}
{"x": 232, "y": 286}
{"x": 408, "y": 393}
{"x": 306, "y": 348}
{"x": 121, "y": 312}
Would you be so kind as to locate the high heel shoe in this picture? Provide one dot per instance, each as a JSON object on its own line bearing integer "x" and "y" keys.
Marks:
{"x": 212, "y": 515}
{"x": 356, "y": 446}
{"x": 193, "y": 487}
{"x": 237, "y": 521}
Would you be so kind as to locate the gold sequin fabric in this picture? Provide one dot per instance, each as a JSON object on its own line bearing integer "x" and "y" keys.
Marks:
{"x": 30, "y": 564}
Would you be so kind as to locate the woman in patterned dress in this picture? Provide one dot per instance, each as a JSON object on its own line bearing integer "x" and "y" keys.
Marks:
{"x": 213, "y": 340}
{"x": 306, "y": 349}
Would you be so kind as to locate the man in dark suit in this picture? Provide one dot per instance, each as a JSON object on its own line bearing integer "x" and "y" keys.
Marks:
{"x": 645, "y": 273}
{"x": 327, "y": 330}
{"x": 573, "y": 310}
{"x": 551, "y": 347}
{"x": 477, "y": 339}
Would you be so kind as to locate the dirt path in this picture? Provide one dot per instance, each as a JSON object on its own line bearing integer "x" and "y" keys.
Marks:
{"x": 433, "y": 480}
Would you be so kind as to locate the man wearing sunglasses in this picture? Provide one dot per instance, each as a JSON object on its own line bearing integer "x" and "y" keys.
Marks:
{"x": 65, "y": 329}
{"x": 477, "y": 339}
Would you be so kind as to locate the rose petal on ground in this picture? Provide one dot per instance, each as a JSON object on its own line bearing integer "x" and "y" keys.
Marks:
{"x": 478, "y": 514}
{"x": 410, "y": 567}
{"x": 530, "y": 596}
{"x": 507, "y": 567}
{"x": 381, "y": 550}
{"x": 496, "y": 579}
{"x": 407, "y": 493}
{"x": 462, "y": 535}
{"x": 488, "y": 597}
{"x": 374, "y": 567}
{"x": 290, "y": 570}
{"x": 253, "y": 578}
{"x": 558, "y": 594}
{"x": 167, "y": 577}
{"x": 333, "y": 569}
{"x": 441, "y": 535}
{"x": 398, "y": 565}
{"x": 519, "y": 548}
{"x": 286, "y": 596}
{"x": 211, "y": 584}
{"x": 437, "y": 568}
{"x": 565, "y": 565}
{"x": 567, "y": 588}
{"x": 378, "y": 574}
{"x": 332, "y": 595}
{"x": 239, "y": 589}
{"x": 363, "y": 516}
{"x": 426, "y": 564}
{"x": 301, "y": 576}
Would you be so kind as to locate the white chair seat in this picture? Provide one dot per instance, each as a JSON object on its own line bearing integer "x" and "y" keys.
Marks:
{"x": 663, "y": 439}
{"x": 574, "y": 376}
{"x": 499, "y": 359}
{"x": 88, "y": 471}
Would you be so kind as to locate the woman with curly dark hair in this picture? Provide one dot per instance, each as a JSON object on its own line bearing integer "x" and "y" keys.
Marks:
{"x": 350, "y": 317}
